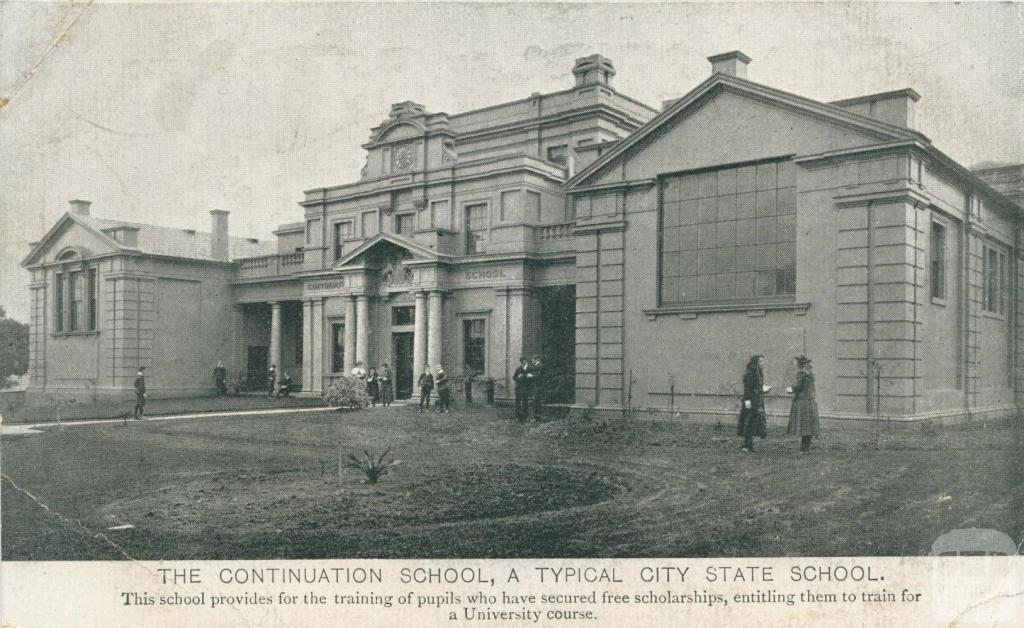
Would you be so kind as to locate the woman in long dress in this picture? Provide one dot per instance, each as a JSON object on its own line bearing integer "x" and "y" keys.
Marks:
{"x": 387, "y": 393}
{"x": 373, "y": 387}
{"x": 803, "y": 414}
{"x": 753, "y": 421}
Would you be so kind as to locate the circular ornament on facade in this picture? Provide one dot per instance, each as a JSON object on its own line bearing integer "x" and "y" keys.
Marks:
{"x": 403, "y": 157}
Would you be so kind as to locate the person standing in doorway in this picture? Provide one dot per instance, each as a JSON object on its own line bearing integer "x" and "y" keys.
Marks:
{"x": 536, "y": 376}
{"x": 220, "y": 378}
{"x": 753, "y": 420}
{"x": 426, "y": 384}
{"x": 140, "y": 393}
{"x": 444, "y": 393}
{"x": 373, "y": 386}
{"x": 803, "y": 414}
{"x": 522, "y": 383}
{"x": 387, "y": 393}
{"x": 272, "y": 380}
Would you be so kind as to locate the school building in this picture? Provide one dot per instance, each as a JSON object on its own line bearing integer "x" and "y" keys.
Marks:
{"x": 645, "y": 253}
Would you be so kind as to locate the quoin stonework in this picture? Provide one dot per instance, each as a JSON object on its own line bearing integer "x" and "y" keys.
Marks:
{"x": 645, "y": 252}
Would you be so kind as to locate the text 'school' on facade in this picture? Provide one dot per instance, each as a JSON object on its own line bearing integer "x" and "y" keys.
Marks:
{"x": 610, "y": 236}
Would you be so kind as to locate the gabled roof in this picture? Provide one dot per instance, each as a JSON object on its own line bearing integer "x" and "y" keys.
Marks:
{"x": 883, "y": 130}
{"x": 417, "y": 249}
{"x": 152, "y": 240}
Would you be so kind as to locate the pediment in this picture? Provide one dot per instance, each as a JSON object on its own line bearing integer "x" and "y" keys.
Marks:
{"x": 384, "y": 249}
{"x": 726, "y": 116}
{"x": 68, "y": 240}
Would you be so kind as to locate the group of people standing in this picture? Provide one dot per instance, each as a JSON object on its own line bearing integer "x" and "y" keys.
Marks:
{"x": 803, "y": 413}
{"x": 428, "y": 382}
{"x": 528, "y": 378}
{"x": 379, "y": 385}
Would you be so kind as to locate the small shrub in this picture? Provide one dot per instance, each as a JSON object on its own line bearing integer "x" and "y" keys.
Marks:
{"x": 347, "y": 392}
{"x": 372, "y": 468}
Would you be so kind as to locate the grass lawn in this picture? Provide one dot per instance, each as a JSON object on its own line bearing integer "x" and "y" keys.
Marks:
{"x": 475, "y": 484}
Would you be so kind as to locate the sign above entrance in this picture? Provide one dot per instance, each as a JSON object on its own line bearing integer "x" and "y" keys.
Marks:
{"x": 322, "y": 286}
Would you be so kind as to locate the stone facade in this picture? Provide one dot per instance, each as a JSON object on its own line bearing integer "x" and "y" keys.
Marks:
{"x": 831, "y": 229}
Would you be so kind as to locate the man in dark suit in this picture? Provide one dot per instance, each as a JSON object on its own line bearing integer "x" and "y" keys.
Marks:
{"x": 536, "y": 374}
{"x": 522, "y": 383}
{"x": 140, "y": 393}
{"x": 272, "y": 380}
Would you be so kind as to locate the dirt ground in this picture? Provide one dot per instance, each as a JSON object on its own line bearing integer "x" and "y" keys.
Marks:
{"x": 476, "y": 484}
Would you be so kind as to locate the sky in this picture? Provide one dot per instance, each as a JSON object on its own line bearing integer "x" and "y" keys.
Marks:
{"x": 161, "y": 112}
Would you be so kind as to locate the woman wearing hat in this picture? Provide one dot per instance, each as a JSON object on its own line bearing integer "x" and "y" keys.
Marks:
{"x": 803, "y": 415}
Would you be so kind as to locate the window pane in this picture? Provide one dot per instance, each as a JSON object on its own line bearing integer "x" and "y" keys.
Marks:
{"x": 727, "y": 260}
{"x": 708, "y": 184}
{"x": 726, "y": 286}
{"x": 687, "y": 187}
{"x": 688, "y": 238}
{"x": 727, "y": 207}
{"x": 706, "y": 290}
{"x": 58, "y": 313}
{"x": 746, "y": 232}
{"x": 670, "y": 239}
{"x": 707, "y": 262}
{"x": 727, "y": 182}
{"x": 745, "y": 179}
{"x": 766, "y": 231}
{"x": 688, "y": 212}
{"x": 670, "y": 215}
{"x": 745, "y": 204}
{"x": 727, "y": 234}
{"x": 746, "y": 258}
{"x": 764, "y": 285}
{"x": 765, "y": 256}
{"x": 687, "y": 288}
{"x": 785, "y": 202}
{"x": 765, "y": 203}
{"x": 707, "y": 210}
{"x": 744, "y": 285}
{"x": 473, "y": 347}
{"x": 707, "y": 236}
{"x": 766, "y": 176}
{"x": 670, "y": 189}
{"x": 787, "y": 228}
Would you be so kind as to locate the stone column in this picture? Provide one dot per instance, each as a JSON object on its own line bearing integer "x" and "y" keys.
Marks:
{"x": 307, "y": 345}
{"x": 275, "y": 334}
{"x": 434, "y": 326}
{"x": 419, "y": 351}
{"x": 350, "y": 334}
{"x": 317, "y": 346}
{"x": 363, "y": 330}
{"x": 238, "y": 356}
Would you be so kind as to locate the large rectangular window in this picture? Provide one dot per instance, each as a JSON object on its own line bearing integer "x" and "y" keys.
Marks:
{"x": 729, "y": 235}
{"x": 58, "y": 307}
{"x": 474, "y": 346}
{"x": 996, "y": 280}
{"x": 76, "y": 294}
{"x": 938, "y": 261}
{"x": 91, "y": 298}
{"x": 476, "y": 228}
{"x": 337, "y": 348}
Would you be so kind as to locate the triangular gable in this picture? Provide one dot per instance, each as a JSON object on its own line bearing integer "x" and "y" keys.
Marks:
{"x": 882, "y": 130}
{"x": 418, "y": 250}
{"x": 57, "y": 232}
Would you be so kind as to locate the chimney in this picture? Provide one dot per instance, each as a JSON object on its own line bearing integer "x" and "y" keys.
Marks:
{"x": 895, "y": 107}
{"x": 593, "y": 70}
{"x": 730, "y": 63}
{"x": 220, "y": 247}
{"x": 80, "y": 207}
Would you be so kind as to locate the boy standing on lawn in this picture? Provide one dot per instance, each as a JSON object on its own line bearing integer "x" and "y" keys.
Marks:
{"x": 522, "y": 389}
{"x": 140, "y": 393}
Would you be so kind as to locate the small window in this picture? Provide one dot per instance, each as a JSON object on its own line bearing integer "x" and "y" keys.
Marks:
{"x": 558, "y": 154}
{"x": 531, "y": 208}
{"x": 404, "y": 224}
{"x": 342, "y": 232}
{"x": 476, "y": 228}
{"x": 75, "y": 291}
{"x": 938, "y": 261}
{"x": 995, "y": 277}
{"x": 510, "y": 202}
{"x": 369, "y": 224}
{"x": 403, "y": 315}
{"x": 474, "y": 346}
{"x": 91, "y": 299}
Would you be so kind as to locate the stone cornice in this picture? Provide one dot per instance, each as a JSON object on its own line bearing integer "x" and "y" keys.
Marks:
{"x": 904, "y": 195}
{"x": 594, "y": 227}
{"x": 618, "y": 185}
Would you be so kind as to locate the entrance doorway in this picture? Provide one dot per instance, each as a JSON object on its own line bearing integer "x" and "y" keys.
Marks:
{"x": 256, "y": 373}
{"x": 401, "y": 350}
